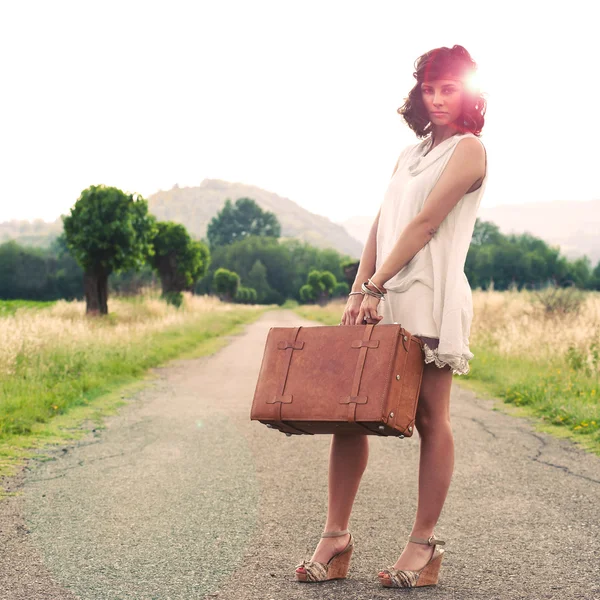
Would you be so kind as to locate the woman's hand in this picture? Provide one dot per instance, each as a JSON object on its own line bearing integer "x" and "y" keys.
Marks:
{"x": 358, "y": 307}
{"x": 368, "y": 310}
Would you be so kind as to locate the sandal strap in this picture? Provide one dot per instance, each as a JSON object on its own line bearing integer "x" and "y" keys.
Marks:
{"x": 430, "y": 541}
{"x": 327, "y": 534}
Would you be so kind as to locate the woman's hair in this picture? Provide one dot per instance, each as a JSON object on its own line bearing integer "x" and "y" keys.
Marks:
{"x": 438, "y": 64}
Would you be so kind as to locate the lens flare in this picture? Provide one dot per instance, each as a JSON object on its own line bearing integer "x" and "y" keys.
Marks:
{"x": 472, "y": 81}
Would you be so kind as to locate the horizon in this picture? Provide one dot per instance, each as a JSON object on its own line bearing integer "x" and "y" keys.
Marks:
{"x": 358, "y": 216}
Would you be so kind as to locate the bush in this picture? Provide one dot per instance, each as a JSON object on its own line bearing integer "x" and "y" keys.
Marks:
{"x": 558, "y": 300}
{"x": 246, "y": 295}
{"x": 174, "y": 298}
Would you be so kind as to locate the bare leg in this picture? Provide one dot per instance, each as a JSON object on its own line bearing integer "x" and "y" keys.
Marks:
{"x": 347, "y": 462}
{"x": 436, "y": 463}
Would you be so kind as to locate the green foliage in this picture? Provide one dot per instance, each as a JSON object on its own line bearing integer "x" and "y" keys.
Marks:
{"x": 174, "y": 298}
{"x": 287, "y": 265}
{"x": 257, "y": 279}
{"x": 246, "y": 295}
{"x": 179, "y": 260}
{"x": 319, "y": 286}
{"x": 307, "y": 293}
{"x": 242, "y": 219}
{"x": 586, "y": 360}
{"x": 9, "y": 307}
{"x": 499, "y": 260}
{"x": 108, "y": 230}
{"x": 226, "y": 283}
{"x": 38, "y": 274}
{"x": 341, "y": 288}
{"x": 131, "y": 282}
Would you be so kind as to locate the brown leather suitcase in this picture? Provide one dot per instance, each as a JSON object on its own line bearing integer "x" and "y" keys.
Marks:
{"x": 340, "y": 379}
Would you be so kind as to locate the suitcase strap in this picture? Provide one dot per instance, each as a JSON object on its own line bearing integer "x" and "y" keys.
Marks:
{"x": 281, "y": 397}
{"x": 354, "y": 399}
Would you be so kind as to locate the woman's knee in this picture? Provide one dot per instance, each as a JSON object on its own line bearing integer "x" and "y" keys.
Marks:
{"x": 428, "y": 423}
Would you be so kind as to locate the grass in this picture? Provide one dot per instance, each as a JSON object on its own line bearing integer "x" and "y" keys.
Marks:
{"x": 60, "y": 369}
{"x": 539, "y": 364}
{"x": 9, "y": 307}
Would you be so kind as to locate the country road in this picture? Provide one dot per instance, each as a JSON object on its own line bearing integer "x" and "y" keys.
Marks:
{"x": 181, "y": 497}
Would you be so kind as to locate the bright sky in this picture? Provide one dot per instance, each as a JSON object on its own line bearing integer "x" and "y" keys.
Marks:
{"x": 298, "y": 97}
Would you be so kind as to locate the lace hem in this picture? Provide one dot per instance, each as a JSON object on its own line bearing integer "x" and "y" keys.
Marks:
{"x": 459, "y": 364}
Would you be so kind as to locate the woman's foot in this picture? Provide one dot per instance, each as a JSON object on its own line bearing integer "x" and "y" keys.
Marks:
{"x": 327, "y": 547}
{"x": 414, "y": 557}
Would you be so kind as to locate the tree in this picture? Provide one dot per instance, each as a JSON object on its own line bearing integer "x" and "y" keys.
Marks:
{"x": 226, "y": 283}
{"x": 485, "y": 232}
{"x": 318, "y": 287}
{"x": 179, "y": 261}
{"x": 246, "y": 295}
{"x": 257, "y": 279}
{"x": 107, "y": 230}
{"x": 237, "y": 221}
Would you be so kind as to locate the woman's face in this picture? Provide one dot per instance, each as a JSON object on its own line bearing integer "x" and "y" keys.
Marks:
{"x": 444, "y": 96}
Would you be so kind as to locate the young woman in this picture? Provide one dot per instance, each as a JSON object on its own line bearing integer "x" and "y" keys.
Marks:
{"x": 414, "y": 261}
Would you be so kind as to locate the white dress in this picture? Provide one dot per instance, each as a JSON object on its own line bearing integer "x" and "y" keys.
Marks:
{"x": 431, "y": 295}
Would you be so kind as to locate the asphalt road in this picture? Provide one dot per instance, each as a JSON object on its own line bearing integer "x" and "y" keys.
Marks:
{"x": 182, "y": 497}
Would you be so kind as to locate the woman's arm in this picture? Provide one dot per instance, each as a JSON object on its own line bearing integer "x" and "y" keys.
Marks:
{"x": 366, "y": 267}
{"x": 465, "y": 167}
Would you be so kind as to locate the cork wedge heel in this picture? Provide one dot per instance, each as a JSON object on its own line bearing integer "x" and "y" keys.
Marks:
{"x": 427, "y": 575}
{"x": 335, "y": 568}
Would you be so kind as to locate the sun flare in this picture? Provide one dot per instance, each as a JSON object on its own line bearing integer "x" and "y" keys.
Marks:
{"x": 472, "y": 81}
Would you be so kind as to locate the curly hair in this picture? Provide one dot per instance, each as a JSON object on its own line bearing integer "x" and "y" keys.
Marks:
{"x": 436, "y": 64}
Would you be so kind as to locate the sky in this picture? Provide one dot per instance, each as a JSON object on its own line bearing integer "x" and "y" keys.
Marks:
{"x": 298, "y": 98}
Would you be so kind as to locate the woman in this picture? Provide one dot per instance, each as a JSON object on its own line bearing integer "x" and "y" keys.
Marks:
{"x": 414, "y": 261}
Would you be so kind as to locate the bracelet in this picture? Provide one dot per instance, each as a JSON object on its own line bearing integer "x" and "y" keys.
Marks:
{"x": 366, "y": 290}
{"x": 371, "y": 292}
{"x": 351, "y": 293}
{"x": 375, "y": 285}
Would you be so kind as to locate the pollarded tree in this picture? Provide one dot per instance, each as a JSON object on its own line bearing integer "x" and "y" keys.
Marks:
{"x": 319, "y": 286}
{"x": 242, "y": 219}
{"x": 226, "y": 283}
{"x": 107, "y": 230}
{"x": 179, "y": 261}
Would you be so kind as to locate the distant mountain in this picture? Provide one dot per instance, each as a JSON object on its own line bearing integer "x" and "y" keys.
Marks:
{"x": 30, "y": 233}
{"x": 196, "y": 206}
{"x": 359, "y": 227}
{"x": 574, "y": 226}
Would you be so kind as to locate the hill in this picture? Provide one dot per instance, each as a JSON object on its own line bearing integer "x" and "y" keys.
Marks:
{"x": 30, "y": 233}
{"x": 196, "y": 206}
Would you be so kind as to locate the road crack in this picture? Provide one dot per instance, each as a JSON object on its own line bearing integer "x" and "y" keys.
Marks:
{"x": 536, "y": 458}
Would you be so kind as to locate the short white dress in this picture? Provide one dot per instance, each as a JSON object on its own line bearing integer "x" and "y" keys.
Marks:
{"x": 431, "y": 296}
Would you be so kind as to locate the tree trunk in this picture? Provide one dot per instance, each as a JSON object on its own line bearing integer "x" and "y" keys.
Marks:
{"x": 170, "y": 279}
{"x": 95, "y": 286}
{"x": 323, "y": 298}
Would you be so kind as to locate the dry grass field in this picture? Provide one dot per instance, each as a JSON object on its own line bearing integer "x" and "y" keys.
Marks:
{"x": 539, "y": 352}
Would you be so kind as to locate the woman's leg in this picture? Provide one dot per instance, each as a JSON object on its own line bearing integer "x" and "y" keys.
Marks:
{"x": 347, "y": 462}
{"x": 436, "y": 462}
